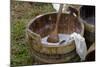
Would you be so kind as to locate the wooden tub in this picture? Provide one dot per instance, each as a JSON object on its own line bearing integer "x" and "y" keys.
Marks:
{"x": 41, "y": 26}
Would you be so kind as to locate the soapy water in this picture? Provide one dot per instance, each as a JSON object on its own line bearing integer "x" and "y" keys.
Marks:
{"x": 63, "y": 39}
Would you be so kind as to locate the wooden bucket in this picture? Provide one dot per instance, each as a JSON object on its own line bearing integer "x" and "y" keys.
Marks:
{"x": 41, "y": 26}
{"x": 87, "y": 13}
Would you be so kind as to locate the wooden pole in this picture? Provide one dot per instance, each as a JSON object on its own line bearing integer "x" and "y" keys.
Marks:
{"x": 53, "y": 37}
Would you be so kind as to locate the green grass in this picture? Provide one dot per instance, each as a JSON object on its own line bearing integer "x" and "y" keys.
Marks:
{"x": 21, "y": 14}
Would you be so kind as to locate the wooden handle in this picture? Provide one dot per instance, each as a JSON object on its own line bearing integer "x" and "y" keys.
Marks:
{"x": 58, "y": 16}
{"x": 92, "y": 48}
{"x": 54, "y": 34}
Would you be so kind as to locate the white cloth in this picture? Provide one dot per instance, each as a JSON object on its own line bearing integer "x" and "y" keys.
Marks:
{"x": 81, "y": 48}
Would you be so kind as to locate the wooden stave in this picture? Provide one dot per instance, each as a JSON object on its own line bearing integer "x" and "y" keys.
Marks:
{"x": 74, "y": 58}
{"x": 62, "y": 59}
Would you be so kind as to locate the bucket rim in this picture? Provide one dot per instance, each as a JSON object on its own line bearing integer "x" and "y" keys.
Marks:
{"x": 31, "y": 21}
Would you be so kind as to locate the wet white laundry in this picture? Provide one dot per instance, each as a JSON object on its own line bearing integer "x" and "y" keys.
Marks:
{"x": 62, "y": 37}
{"x": 80, "y": 43}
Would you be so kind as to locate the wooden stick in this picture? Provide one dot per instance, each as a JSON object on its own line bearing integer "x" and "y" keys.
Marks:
{"x": 58, "y": 18}
{"x": 53, "y": 37}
